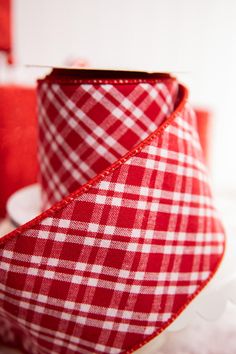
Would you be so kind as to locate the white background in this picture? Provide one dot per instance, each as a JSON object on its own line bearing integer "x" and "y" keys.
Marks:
{"x": 195, "y": 38}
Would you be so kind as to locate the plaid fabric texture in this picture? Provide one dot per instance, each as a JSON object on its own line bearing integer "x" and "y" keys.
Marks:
{"x": 85, "y": 128}
{"x": 114, "y": 263}
{"x": 5, "y": 28}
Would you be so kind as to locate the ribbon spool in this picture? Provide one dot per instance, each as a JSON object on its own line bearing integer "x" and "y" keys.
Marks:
{"x": 129, "y": 235}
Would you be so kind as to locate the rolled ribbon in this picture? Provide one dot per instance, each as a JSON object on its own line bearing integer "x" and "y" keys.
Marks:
{"x": 130, "y": 235}
{"x": 87, "y": 124}
{"x": 5, "y": 28}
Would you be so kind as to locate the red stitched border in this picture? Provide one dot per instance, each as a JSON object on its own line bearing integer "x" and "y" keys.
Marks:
{"x": 95, "y": 76}
{"x": 104, "y": 81}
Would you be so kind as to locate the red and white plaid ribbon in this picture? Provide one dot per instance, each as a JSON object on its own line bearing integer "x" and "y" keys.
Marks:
{"x": 111, "y": 265}
{"x": 85, "y": 126}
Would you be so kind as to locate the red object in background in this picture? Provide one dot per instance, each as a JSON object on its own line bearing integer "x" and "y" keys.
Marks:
{"x": 78, "y": 63}
{"x": 102, "y": 264}
{"x": 5, "y": 28}
{"x": 204, "y": 127}
{"x": 18, "y": 140}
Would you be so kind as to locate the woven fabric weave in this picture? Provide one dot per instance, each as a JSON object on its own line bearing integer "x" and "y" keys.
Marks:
{"x": 111, "y": 265}
{"x": 84, "y": 128}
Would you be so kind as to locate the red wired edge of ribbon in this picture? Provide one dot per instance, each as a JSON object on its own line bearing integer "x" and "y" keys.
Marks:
{"x": 132, "y": 235}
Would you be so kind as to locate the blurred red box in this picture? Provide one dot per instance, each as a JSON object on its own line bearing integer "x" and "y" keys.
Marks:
{"x": 18, "y": 140}
{"x": 5, "y": 28}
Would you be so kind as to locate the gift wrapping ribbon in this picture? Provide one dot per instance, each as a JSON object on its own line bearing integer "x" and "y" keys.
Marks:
{"x": 5, "y": 28}
{"x": 129, "y": 235}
